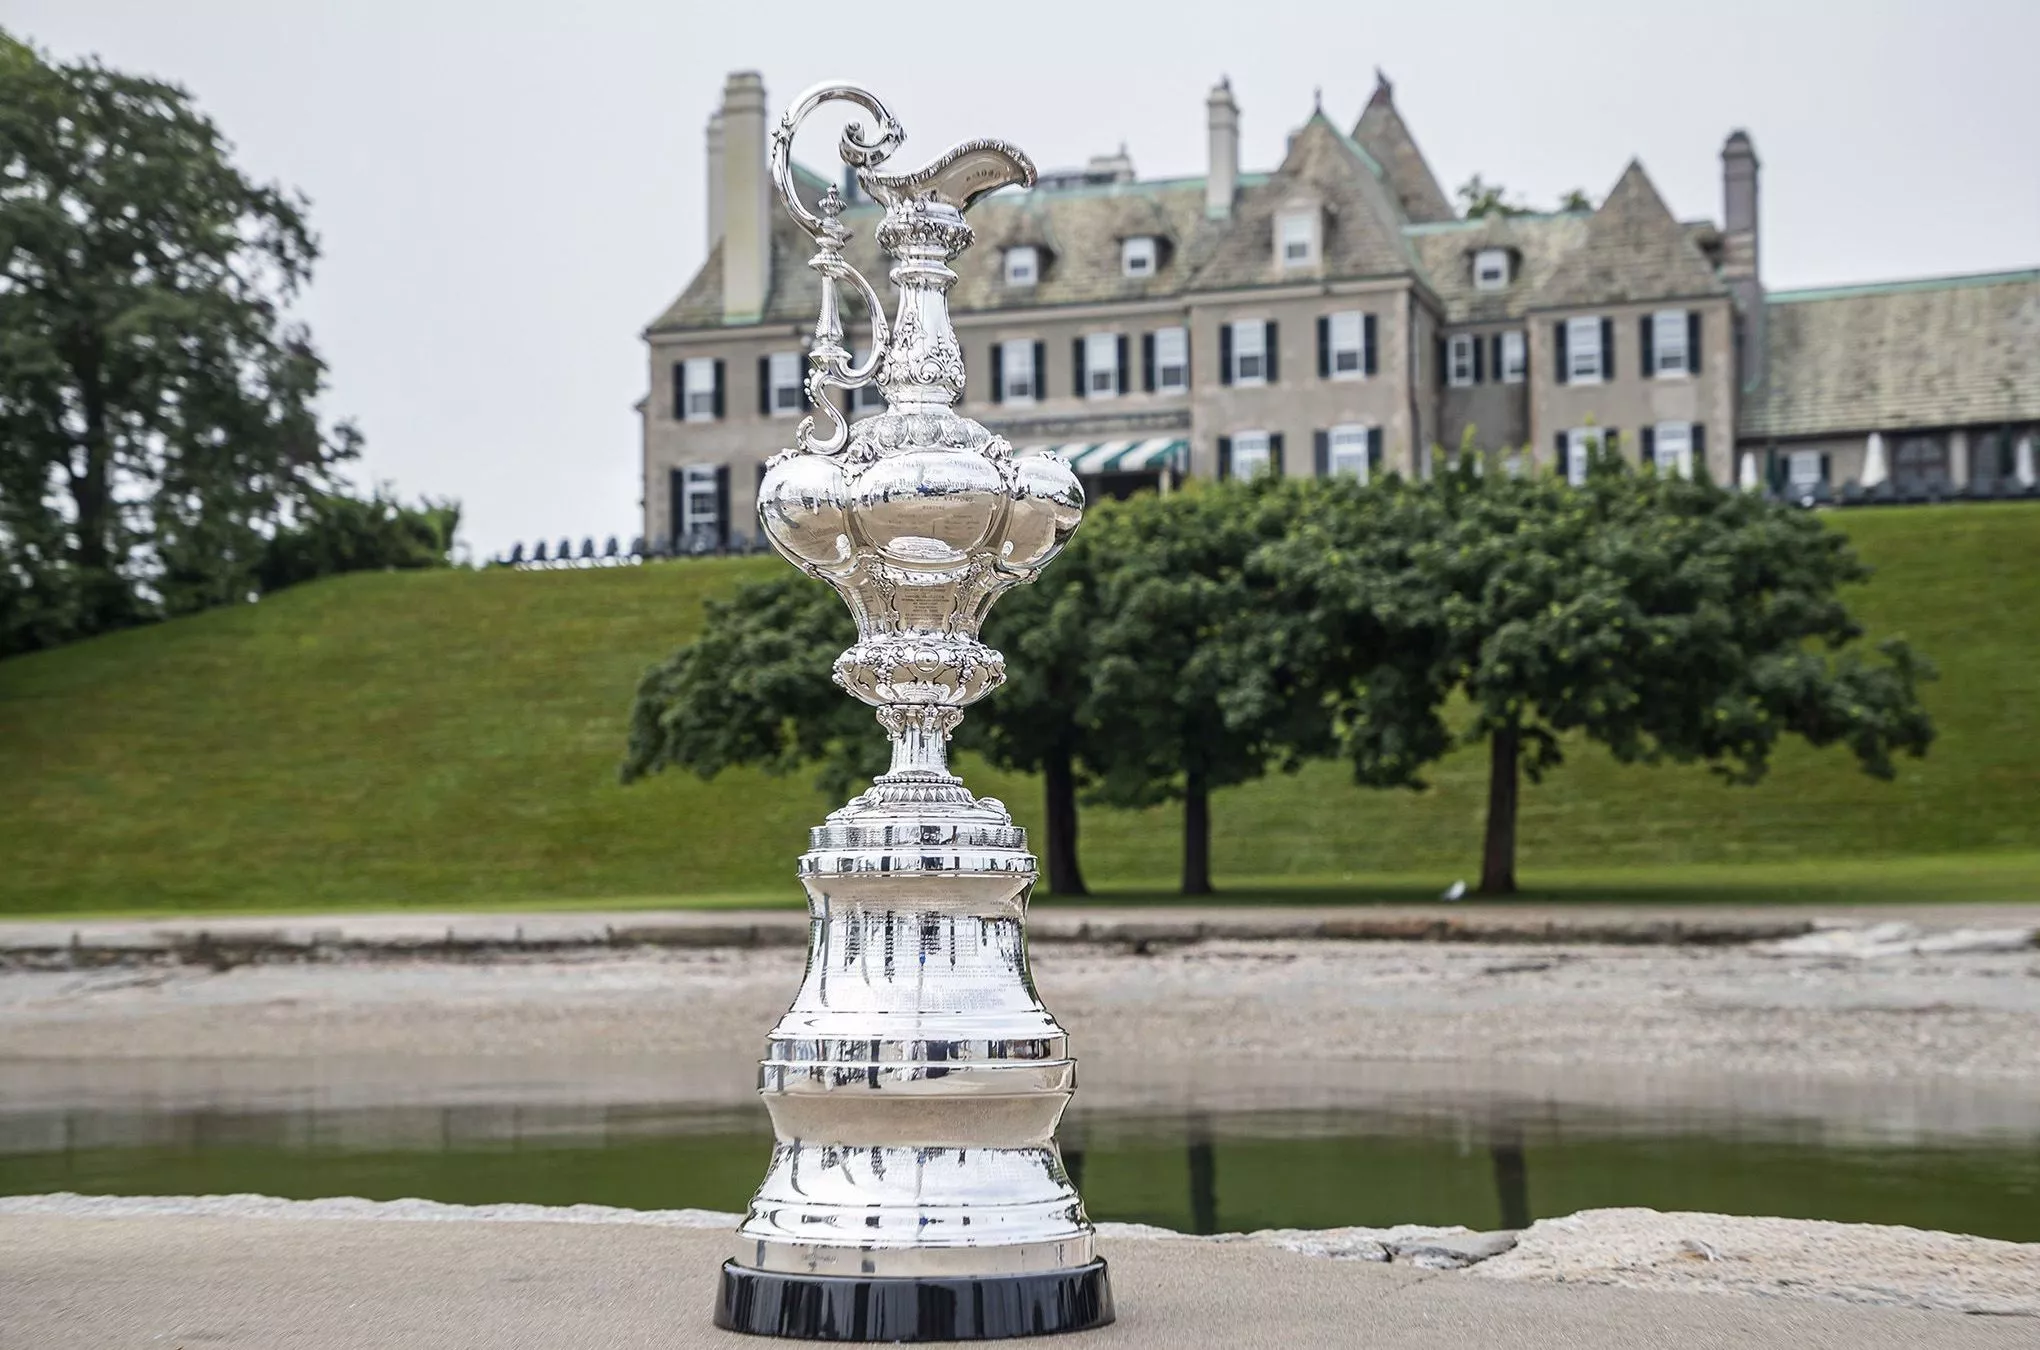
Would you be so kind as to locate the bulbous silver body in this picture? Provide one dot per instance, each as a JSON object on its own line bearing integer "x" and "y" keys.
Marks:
{"x": 916, "y": 1083}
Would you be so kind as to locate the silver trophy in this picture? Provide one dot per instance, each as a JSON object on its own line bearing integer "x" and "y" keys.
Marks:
{"x": 915, "y": 1190}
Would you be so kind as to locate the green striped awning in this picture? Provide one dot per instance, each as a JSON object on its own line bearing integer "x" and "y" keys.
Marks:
{"x": 1088, "y": 457}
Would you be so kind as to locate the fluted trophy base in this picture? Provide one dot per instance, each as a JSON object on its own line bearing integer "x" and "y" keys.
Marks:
{"x": 854, "y": 1308}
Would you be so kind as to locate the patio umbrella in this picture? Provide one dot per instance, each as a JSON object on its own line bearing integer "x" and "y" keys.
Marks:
{"x": 1875, "y": 470}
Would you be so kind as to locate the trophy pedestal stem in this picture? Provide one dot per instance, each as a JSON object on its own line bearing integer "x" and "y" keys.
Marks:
{"x": 968, "y": 1308}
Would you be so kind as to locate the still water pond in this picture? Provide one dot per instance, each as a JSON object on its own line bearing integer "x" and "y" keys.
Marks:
{"x": 1197, "y": 1172}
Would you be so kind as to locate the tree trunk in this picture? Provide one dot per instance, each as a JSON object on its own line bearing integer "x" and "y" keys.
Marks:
{"x": 1196, "y": 835}
{"x": 1498, "y": 856}
{"x": 1059, "y": 785}
{"x": 104, "y": 599}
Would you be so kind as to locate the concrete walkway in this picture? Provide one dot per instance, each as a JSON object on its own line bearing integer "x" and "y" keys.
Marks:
{"x": 233, "y": 940}
{"x": 226, "y": 1280}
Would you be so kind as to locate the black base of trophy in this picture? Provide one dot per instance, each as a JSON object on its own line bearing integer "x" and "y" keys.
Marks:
{"x": 848, "y": 1308}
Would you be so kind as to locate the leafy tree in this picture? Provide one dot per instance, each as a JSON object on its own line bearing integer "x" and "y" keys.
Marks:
{"x": 1482, "y": 198}
{"x": 754, "y": 689}
{"x": 156, "y": 420}
{"x": 1478, "y": 198}
{"x": 1353, "y": 631}
{"x": 1666, "y": 619}
{"x": 337, "y": 533}
{"x": 1180, "y": 703}
{"x": 1037, "y": 721}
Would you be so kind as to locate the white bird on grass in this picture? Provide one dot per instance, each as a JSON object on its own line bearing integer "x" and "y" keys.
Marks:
{"x": 1456, "y": 891}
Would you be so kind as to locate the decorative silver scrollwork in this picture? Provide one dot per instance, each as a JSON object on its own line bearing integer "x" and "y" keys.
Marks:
{"x": 829, "y": 364}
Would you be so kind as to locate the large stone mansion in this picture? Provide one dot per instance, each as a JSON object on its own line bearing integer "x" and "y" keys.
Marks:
{"x": 1337, "y": 315}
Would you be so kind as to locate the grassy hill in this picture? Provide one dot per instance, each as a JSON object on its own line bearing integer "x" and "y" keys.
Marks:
{"x": 451, "y": 738}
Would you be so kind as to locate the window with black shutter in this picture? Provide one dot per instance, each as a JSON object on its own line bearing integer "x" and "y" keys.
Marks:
{"x": 679, "y": 390}
{"x": 764, "y": 386}
{"x": 1225, "y": 362}
{"x": 1324, "y": 347}
{"x": 1643, "y": 338}
{"x": 1693, "y": 341}
{"x": 1373, "y": 451}
{"x": 1479, "y": 363}
{"x": 1367, "y": 345}
{"x": 1122, "y": 363}
{"x": 1275, "y": 453}
{"x": 1648, "y": 453}
{"x": 1224, "y": 458}
{"x": 1607, "y": 349}
{"x": 719, "y": 382}
{"x": 1269, "y": 347}
{"x": 1563, "y": 366}
{"x": 1078, "y": 380}
{"x": 1040, "y": 370}
{"x": 1321, "y": 454}
{"x": 1147, "y": 363}
{"x": 722, "y": 507}
{"x": 998, "y": 372}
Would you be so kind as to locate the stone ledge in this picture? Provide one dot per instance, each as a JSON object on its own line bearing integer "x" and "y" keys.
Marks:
{"x": 1640, "y": 1249}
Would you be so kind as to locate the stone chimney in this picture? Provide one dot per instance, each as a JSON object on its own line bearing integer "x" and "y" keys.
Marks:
{"x": 746, "y": 201}
{"x": 1223, "y": 180}
{"x": 1739, "y": 254}
{"x": 715, "y": 177}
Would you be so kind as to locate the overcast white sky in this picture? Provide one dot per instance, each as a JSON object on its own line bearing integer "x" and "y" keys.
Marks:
{"x": 508, "y": 191}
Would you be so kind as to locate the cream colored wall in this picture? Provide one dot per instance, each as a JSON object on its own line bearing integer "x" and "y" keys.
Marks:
{"x": 1297, "y": 406}
{"x": 1499, "y": 413}
{"x": 1628, "y": 401}
{"x": 742, "y": 439}
{"x": 1300, "y": 403}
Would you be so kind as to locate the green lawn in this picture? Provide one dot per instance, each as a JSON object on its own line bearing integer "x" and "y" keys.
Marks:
{"x": 451, "y": 738}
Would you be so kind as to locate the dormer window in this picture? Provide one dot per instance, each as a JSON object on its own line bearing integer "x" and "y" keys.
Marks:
{"x": 1137, "y": 255}
{"x": 1296, "y": 238}
{"x": 1491, "y": 269}
{"x": 1023, "y": 265}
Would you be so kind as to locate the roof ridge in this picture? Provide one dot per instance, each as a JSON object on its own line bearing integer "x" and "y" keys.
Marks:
{"x": 1947, "y": 281}
{"x": 1477, "y": 222}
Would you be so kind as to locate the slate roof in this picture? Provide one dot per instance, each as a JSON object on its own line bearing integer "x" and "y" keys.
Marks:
{"x": 1363, "y": 225}
{"x": 1633, "y": 250}
{"x": 1935, "y": 352}
{"x": 1383, "y": 134}
{"x": 1537, "y": 242}
{"x": 1079, "y": 230}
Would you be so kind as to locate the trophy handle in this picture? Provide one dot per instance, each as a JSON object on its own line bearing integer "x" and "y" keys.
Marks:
{"x": 829, "y": 364}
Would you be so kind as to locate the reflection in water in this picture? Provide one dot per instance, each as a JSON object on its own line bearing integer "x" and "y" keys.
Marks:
{"x": 1203, "y": 1177}
{"x": 1512, "y": 1178}
{"x": 1487, "y": 1163}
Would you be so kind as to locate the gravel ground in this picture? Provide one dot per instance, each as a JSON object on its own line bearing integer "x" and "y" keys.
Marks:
{"x": 1891, "y": 1018}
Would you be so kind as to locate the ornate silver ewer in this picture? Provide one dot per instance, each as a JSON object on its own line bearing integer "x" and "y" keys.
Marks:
{"x": 915, "y": 1190}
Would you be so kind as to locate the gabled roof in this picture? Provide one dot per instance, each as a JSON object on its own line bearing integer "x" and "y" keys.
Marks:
{"x": 1079, "y": 229}
{"x": 1383, "y": 134}
{"x": 1633, "y": 250}
{"x": 1537, "y": 243}
{"x": 1936, "y": 352}
{"x": 1362, "y": 221}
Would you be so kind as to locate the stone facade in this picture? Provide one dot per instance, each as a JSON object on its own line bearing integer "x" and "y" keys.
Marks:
{"x": 1352, "y": 224}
